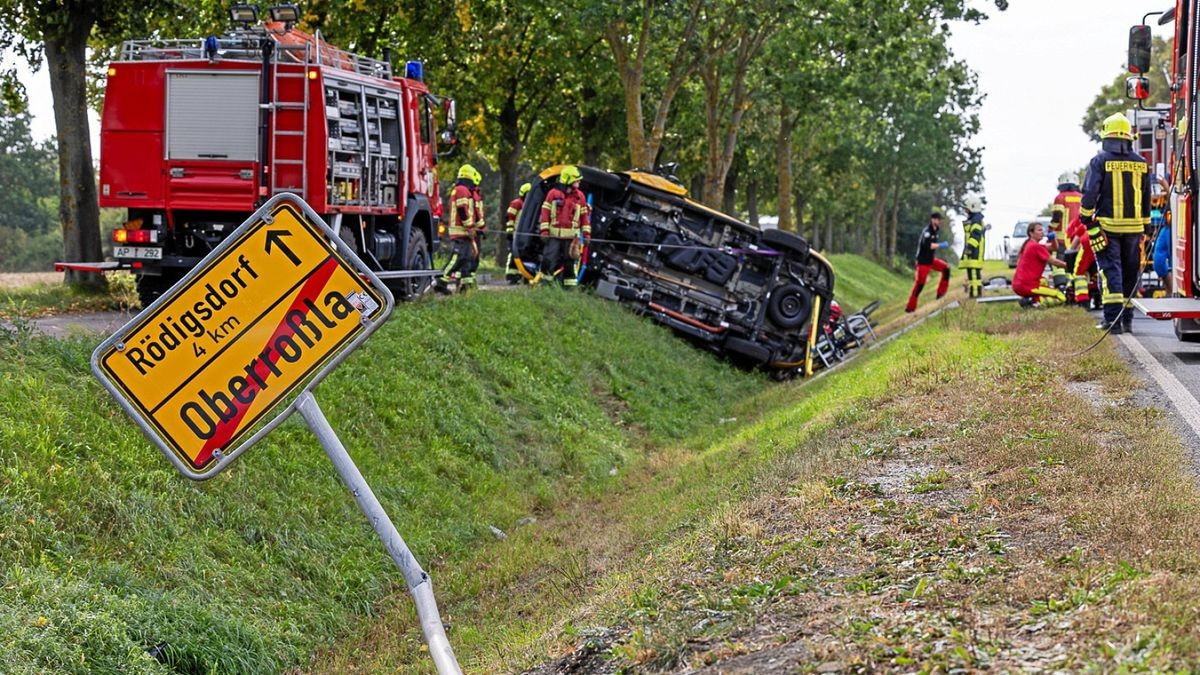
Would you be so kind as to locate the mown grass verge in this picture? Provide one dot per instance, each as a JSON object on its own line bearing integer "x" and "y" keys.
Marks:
{"x": 859, "y": 281}
{"x": 463, "y": 414}
{"x": 40, "y": 299}
{"x": 989, "y": 499}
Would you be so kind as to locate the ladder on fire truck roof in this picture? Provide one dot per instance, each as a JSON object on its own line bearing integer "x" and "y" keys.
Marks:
{"x": 281, "y": 136}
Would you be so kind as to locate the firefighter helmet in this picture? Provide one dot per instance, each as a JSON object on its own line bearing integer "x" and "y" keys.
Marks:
{"x": 468, "y": 172}
{"x": 1117, "y": 125}
{"x": 570, "y": 175}
{"x": 524, "y": 190}
{"x": 1068, "y": 178}
{"x": 973, "y": 204}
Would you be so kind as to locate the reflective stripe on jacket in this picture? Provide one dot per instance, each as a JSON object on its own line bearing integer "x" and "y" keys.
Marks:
{"x": 514, "y": 210}
{"x": 972, "y": 256}
{"x": 462, "y": 211}
{"x": 1116, "y": 193}
{"x": 566, "y": 214}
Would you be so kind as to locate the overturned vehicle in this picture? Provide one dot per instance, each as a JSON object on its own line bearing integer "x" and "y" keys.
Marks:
{"x": 757, "y": 296}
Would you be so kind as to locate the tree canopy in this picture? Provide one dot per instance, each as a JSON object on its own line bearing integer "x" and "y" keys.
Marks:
{"x": 841, "y": 116}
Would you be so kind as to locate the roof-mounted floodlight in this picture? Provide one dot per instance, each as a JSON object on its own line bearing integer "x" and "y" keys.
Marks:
{"x": 286, "y": 14}
{"x": 243, "y": 14}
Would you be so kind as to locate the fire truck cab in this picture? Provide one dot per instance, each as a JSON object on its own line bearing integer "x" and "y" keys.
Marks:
{"x": 196, "y": 134}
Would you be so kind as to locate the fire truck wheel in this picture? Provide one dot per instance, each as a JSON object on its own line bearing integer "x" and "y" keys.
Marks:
{"x": 149, "y": 288}
{"x": 418, "y": 259}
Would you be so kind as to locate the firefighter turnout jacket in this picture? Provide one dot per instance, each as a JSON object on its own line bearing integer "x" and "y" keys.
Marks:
{"x": 972, "y": 256}
{"x": 1116, "y": 193}
{"x": 1064, "y": 212}
{"x": 477, "y": 197}
{"x": 462, "y": 211}
{"x": 566, "y": 214}
{"x": 510, "y": 217}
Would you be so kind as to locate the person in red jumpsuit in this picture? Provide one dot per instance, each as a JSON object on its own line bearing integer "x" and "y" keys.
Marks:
{"x": 1081, "y": 263}
{"x": 1028, "y": 280}
{"x": 926, "y": 262}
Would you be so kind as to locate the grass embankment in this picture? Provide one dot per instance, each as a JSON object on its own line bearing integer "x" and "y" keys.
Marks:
{"x": 463, "y": 414}
{"x": 965, "y": 498}
{"x": 859, "y": 281}
{"x": 26, "y": 300}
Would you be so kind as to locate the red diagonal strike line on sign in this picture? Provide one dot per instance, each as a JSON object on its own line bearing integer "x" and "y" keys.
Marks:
{"x": 311, "y": 289}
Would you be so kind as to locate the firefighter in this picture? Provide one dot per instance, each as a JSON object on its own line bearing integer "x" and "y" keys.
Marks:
{"x": 1065, "y": 209}
{"x": 972, "y": 257}
{"x": 1081, "y": 263}
{"x": 1028, "y": 281}
{"x": 1116, "y": 211}
{"x": 510, "y": 228}
{"x": 565, "y": 224}
{"x": 464, "y": 251}
{"x": 926, "y": 261}
{"x": 1072, "y": 238}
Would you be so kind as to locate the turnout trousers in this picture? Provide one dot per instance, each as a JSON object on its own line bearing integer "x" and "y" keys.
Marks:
{"x": 1120, "y": 268}
{"x": 923, "y": 275}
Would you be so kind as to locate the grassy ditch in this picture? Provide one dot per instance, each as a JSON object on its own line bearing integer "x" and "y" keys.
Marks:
{"x": 982, "y": 499}
{"x": 465, "y": 414}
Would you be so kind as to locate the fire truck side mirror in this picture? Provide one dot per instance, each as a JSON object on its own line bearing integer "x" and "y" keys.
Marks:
{"x": 451, "y": 113}
{"x": 1139, "y": 49}
{"x": 1137, "y": 88}
{"x": 449, "y": 135}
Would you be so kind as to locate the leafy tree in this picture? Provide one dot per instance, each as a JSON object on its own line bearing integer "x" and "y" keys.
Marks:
{"x": 27, "y": 175}
{"x": 1111, "y": 98}
{"x": 59, "y": 31}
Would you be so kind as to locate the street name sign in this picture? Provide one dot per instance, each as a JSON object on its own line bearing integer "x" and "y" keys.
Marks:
{"x": 261, "y": 319}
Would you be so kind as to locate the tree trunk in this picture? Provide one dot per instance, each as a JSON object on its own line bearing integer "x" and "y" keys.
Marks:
{"x": 878, "y": 213}
{"x": 78, "y": 206}
{"x": 729, "y": 196}
{"x": 589, "y": 122}
{"x": 892, "y": 223}
{"x": 511, "y": 149}
{"x": 783, "y": 166}
{"x": 829, "y": 232}
{"x": 752, "y": 202}
{"x": 799, "y": 201}
{"x": 696, "y": 191}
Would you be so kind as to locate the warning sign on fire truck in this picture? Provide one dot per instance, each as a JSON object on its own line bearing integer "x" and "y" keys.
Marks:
{"x": 263, "y": 317}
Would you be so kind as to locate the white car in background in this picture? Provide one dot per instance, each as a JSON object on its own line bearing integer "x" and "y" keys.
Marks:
{"x": 1013, "y": 242}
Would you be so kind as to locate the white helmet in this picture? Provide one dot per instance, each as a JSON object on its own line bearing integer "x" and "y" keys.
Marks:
{"x": 973, "y": 204}
{"x": 1068, "y": 178}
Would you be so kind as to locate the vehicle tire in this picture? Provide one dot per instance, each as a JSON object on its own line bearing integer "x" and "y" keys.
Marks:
{"x": 751, "y": 351}
{"x": 790, "y": 242}
{"x": 418, "y": 258}
{"x": 151, "y": 287}
{"x": 789, "y": 306}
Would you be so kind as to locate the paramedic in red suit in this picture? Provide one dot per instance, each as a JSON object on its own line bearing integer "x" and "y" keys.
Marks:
{"x": 926, "y": 261}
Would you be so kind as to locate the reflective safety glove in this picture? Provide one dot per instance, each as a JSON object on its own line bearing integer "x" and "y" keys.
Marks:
{"x": 1099, "y": 241}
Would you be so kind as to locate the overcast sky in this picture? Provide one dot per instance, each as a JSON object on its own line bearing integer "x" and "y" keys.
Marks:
{"x": 1040, "y": 63}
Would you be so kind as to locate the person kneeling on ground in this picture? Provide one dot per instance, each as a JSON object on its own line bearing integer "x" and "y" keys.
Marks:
{"x": 1028, "y": 281}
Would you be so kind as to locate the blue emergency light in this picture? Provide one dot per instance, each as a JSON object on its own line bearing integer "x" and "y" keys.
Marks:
{"x": 415, "y": 70}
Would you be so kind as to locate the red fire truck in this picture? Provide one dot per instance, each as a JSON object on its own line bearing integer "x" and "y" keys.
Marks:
{"x": 1183, "y": 307}
{"x": 195, "y": 134}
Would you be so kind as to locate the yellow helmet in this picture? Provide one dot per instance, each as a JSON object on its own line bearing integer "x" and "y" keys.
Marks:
{"x": 468, "y": 172}
{"x": 569, "y": 175}
{"x": 524, "y": 190}
{"x": 1117, "y": 125}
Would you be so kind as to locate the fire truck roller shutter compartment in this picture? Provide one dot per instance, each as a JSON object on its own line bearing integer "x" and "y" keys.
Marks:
{"x": 212, "y": 115}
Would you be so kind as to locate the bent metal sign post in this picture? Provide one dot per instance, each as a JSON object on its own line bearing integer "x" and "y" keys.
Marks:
{"x": 264, "y": 316}
{"x": 259, "y": 321}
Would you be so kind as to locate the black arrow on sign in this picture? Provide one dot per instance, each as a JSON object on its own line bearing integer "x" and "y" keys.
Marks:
{"x": 276, "y": 237}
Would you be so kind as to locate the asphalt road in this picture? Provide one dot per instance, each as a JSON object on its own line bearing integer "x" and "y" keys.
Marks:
{"x": 1172, "y": 371}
